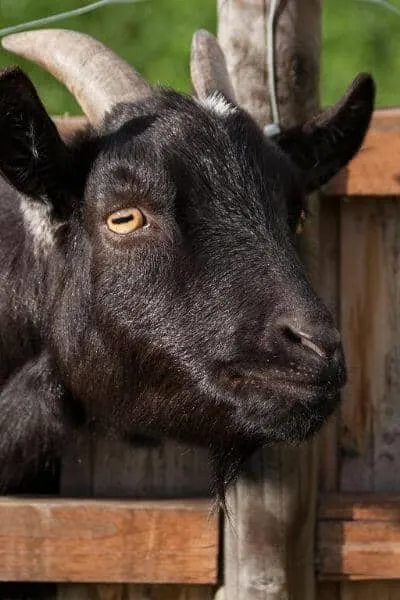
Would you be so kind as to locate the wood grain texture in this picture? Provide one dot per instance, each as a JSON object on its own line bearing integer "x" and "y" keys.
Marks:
{"x": 146, "y": 592}
{"x": 242, "y": 30}
{"x": 361, "y": 590}
{"x": 328, "y": 479}
{"x": 327, "y": 590}
{"x": 269, "y": 545}
{"x": 370, "y": 315}
{"x": 330, "y": 290}
{"x": 108, "y": 468}
{"x": 359, "y": 537}
{"x": 359, "y": 507}
{"x": 369, "y": 441}
{"x": 108, "y": 541}
{"x": 133, "y": 592}
{"x": 375, "y": 171}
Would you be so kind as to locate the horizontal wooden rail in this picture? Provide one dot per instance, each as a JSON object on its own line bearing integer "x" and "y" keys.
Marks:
{"x": 108, "y": 541}
{"x": 113, "y": 541}
{"x": 358, "y": 537}
{"x": 375, "y": 171}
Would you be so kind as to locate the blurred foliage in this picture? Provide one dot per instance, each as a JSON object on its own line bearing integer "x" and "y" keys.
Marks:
{"x": 155, "y": 36}
{"x": 360, "y": 36}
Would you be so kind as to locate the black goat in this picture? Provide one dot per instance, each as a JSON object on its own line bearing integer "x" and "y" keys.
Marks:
{"x": 149, "y": 279}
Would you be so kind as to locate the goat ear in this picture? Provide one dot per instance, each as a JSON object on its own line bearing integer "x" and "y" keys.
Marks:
{"x": 324, "y": 145}
{"x": 33, "y": 157}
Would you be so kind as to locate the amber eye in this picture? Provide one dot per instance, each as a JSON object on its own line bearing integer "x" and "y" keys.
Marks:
{"x": 126, "y": 220}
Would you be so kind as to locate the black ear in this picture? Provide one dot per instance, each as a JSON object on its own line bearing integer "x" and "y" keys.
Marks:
{"x": 33, "y": 158}
{"x": 324, "y": 145}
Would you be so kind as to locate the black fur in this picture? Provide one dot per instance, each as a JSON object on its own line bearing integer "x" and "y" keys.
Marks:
{"x": 187, "y": 328}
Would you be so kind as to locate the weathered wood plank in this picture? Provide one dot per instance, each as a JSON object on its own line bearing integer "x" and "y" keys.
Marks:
{"x": 370, "y": 286}
{"x": 328, "y": 590}
{"x": 108, "y": 541}
{"x": 360, "y": 590}
{"x": 137, "y": 592}
{"x": 330, "y": 261}
{"x": 242, "y": 30}
{"x": 364, "y": 332}
{"x": 359, "y": 507}
{"x": 359, "y": 537}
{"x": 269, "y": 538}
{"x": 376, "y": 169}
{"x": 330, "y": 292}
{"x": 163, "y": 471}
{"x": 370, "y": 311}
{"x": 148, "y": 592}
{"x": 108, "y": 468}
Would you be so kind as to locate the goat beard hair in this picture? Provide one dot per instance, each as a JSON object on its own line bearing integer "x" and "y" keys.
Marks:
{"x": 226, "y": 467}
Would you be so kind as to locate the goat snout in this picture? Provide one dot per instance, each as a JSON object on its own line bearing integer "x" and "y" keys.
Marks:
{"x": 316, "y": 345}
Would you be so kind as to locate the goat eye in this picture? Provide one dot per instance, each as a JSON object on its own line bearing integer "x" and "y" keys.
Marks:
{"x": 126, "y": 220}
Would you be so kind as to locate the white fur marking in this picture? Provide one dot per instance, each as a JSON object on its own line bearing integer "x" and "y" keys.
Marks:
{"x": 37, "y": 220}
{"x": 219, "y": 105}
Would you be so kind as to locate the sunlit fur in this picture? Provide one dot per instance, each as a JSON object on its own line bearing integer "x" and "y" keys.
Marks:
{"x": 182, "y": 329}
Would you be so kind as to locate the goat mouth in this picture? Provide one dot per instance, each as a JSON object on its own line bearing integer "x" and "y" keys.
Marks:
{"x": 284, "y": 383}
{"x": 291, "y": 412}
{"x": 283, "y": 406}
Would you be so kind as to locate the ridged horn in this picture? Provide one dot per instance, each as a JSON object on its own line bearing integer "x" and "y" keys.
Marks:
{"x": 208, "y": 67}
{"x": 94, "y": 75}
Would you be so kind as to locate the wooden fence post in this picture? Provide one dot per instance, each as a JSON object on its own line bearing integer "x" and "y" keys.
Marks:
{"x": 269, "y": 543}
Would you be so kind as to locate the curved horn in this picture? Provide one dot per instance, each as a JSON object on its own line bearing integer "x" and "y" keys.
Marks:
{"x": 96, "y": 77}
{"x": 208, "y": 67}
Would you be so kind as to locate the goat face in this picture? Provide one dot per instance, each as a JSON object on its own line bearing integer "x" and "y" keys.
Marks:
{"x": 220, "y": 330}
{"x": 174, "y": 302}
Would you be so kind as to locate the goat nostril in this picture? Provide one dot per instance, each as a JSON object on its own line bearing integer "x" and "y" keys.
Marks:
{"x": 300, "y": 337}
{"x": 308, "y": 343}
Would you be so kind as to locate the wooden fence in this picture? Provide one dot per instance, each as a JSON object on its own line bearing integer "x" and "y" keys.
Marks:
{"x": 179, "y": 543}
{"x": 159, "y": 548}
{"x": 359, "y": 501}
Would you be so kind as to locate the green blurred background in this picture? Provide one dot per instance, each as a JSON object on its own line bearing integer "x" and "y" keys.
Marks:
{"x": 155, "y": 37}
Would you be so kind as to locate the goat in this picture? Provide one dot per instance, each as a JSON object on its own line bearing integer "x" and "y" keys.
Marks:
{"x": 150, "y": 283}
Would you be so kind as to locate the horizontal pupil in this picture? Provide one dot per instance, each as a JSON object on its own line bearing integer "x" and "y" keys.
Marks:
{"x": 120, "y": 220}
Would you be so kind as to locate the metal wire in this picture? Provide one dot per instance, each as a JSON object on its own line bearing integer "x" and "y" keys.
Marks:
{"x": 64, "y": 15}
{"x": 384, "y": 4}
{"x": 274, "y": 127}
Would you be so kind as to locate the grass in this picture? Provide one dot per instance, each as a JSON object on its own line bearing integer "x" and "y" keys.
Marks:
{"x": 155, "y": 37}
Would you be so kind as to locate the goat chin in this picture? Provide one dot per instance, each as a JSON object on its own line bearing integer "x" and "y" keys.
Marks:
{"x": 289, "y": 428}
